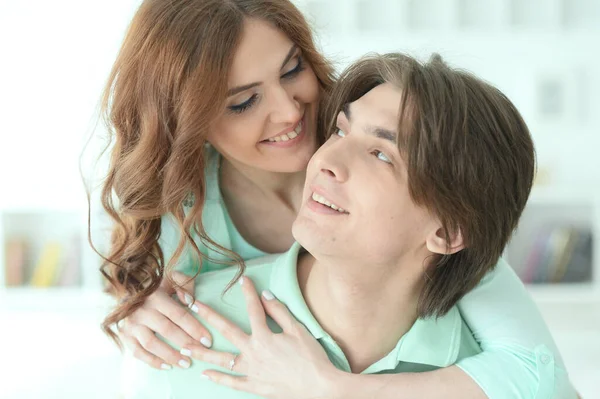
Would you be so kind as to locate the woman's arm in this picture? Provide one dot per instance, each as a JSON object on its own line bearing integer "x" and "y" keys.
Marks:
{"x": 514, "y": 339}
{"x": 293, "y": 365}
{"x": 508, "y": 367}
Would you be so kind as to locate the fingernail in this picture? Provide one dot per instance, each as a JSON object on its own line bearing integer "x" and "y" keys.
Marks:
{"x": 194, "y": 308}
{"x": 185, "y": 352}
{"x": 166, "y": 366}
{"x": 242, "y": 280}
{"x": 184, "y": 364}
{"x": 268, "y": 295}
{"x": 204, "y": 376}
{"x": 188, "y": 299}
{"x": 206, "y": 342}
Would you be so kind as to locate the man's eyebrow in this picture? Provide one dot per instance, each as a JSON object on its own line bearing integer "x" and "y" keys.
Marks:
{"x": 346, "y": 111}
{"x": 376, "y": 131}
{"x": 383, "y": 133}
{"x": 239, "y": 89}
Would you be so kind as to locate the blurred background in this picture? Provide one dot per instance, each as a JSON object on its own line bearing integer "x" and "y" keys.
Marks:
{"x": 55, "y": 58}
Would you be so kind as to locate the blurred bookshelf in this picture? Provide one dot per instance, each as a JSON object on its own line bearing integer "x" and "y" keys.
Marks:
{"x": 46, "y": 261}
{"x": 555, "y": 248}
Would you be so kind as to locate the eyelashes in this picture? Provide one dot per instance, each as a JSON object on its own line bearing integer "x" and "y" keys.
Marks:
{"x": 238, "y": 109}
{"x": 246, "y": 105}
{"x": 296, "y": 71}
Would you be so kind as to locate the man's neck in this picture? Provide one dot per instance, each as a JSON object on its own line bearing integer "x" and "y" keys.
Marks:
{"x": 365, "y": 309}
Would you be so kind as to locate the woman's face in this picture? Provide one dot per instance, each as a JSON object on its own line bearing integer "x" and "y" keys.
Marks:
{"x": 269, "y": 121}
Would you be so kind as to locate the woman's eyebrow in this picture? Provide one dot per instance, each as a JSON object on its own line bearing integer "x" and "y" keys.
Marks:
{"x": 289, "y": 55}
{"x": 239, "y": 89}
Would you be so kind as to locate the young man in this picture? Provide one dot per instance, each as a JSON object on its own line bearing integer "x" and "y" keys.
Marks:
{"x": 406, "y": 207}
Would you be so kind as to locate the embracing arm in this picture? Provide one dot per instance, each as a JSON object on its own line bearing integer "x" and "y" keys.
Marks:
{"x": 514, "y": 339}
{"x": 447, "y": 383}
{"x": 519, "y": 357}
{"x": 293, "y": 365}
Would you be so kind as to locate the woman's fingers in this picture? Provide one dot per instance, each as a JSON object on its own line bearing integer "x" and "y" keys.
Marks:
{"x": 279, "y": 312}
{"x": 178, "y": 325}
{"x": 184, "y": 281}
{"x": 145, "y": 346}
{"x": 143, "y": 355}
{"x": 220, "y": 359}
{"x": 227, "y": 329}
{"x": 256, "y": 312}
{"x": 172, "y": 333}
{"x": 239, "y": 383}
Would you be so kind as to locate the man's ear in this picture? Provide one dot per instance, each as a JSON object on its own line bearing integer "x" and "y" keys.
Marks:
{"x": 438, "y": 244}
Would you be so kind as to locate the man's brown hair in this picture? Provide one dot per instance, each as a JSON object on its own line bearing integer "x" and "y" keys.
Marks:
{"x": 470, "y": 161}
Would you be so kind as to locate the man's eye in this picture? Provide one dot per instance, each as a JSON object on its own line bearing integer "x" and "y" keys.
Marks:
{"x": 381, "y": 156}
{"x": 340, "y": 132}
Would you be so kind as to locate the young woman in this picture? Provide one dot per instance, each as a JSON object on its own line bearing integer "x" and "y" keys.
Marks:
{"x": 214, "y": 109}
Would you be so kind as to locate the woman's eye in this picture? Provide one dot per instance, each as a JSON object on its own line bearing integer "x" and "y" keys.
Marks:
{"x": 294, "y": 72}
{"x": 340, "y": 132}
{"x": 239, "y": 108}
{"x": 381, "y": 156}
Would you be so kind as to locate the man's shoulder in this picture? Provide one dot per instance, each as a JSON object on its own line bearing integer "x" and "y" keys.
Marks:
{"x": 220, "y": 287}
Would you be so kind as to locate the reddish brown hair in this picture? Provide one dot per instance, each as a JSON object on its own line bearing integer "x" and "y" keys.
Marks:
{"x": 470, "y": 161}
{"x": 168, "y": 84}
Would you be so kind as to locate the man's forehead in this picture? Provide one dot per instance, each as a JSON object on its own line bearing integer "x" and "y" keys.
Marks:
{"x": 380, "y": 106}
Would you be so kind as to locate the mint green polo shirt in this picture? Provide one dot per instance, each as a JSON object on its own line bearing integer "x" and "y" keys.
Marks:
{"x": 505, "y": 322}
{"x": 428, "y": 345}
{"x": 217, "y": 224}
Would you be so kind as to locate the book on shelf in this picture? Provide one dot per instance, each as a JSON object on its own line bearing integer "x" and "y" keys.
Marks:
{"x": 70, "y": 273}
{"x": 559, "y": 254}
{"x": 15, "y": 260}
{"x": 48, "y": 265}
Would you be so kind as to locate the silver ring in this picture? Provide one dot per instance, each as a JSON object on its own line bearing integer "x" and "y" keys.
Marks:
{"x": 232, "y": 362}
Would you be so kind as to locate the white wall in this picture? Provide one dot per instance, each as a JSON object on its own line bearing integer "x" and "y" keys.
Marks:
{"x": 55, "y": 59}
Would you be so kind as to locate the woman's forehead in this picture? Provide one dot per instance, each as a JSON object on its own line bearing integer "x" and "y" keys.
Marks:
{"x": 261, "y": 51}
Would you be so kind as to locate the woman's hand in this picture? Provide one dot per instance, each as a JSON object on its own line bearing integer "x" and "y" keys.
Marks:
{"x": 287, "y": 365}
{"x": 162, "y": 314}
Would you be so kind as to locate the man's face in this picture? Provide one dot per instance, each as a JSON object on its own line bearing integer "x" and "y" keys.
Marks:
{"x": 356, "y": 202}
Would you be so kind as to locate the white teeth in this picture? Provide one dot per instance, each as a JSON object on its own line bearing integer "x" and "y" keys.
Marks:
{"x": 322, "y": 200}
{"x": 289, "y": 136}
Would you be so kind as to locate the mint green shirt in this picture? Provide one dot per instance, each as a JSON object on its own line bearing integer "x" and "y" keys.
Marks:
{"x": 515, "y": 341}
{"x": 428, "y": 345}
{"x": 217, "y": 223}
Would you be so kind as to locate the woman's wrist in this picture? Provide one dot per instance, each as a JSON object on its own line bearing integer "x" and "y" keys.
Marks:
{"x": 334, "y": 382}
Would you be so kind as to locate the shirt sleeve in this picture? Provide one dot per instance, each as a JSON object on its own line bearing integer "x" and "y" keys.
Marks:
{"x": 519, "y": 358}
{"x": 140, "y": 381}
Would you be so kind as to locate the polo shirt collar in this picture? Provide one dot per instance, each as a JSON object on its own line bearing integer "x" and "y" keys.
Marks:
{"x": 284, "y": 284}
{"x": 430, "y": 341}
